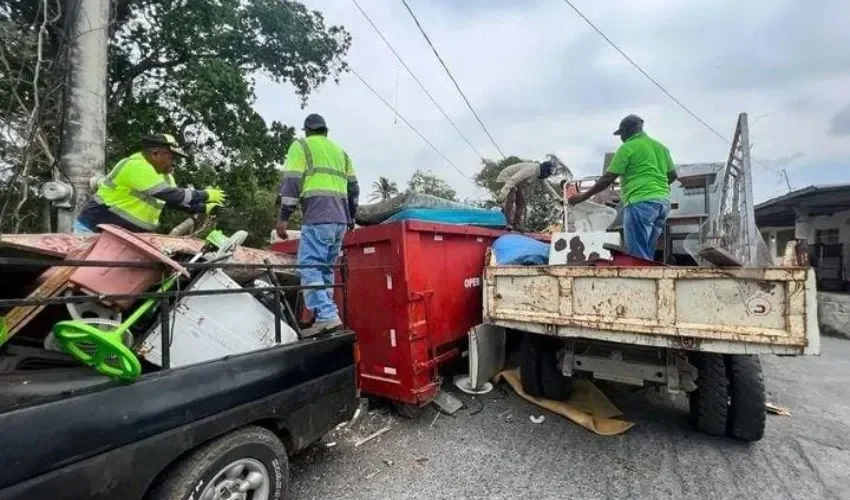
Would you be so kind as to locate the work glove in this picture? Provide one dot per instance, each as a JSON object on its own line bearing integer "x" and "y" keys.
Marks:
{"x": 209, "y": 207}
{"x": 215, "y": 195}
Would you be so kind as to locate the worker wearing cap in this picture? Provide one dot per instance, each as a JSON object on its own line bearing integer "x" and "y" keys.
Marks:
{"x": 517, "y": 178}
{"x": 134, "y": 193}
{"x": 647, "y": 170}
{"x": 319, "y": 175}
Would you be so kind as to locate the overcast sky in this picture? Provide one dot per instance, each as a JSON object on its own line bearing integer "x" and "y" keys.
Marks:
{"x": 543, "y": 81}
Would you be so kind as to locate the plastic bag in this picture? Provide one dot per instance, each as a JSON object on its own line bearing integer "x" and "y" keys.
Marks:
{"x": 589, "y": 217}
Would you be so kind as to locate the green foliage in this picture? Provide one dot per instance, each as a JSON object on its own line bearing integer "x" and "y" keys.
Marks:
{"x": 383, "y": 189}
{"x": 188, "y": 68}
{"x": 426, "y": 182}
{"x": 542, "y": 210}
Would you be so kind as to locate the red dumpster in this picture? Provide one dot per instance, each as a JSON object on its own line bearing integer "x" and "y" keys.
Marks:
{"x": 414, "y": 291}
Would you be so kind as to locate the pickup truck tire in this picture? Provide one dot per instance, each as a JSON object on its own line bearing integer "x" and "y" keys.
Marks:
{"x": 530, "y": 365}
{"x": 748, "y": 409}
{"x": 709, "y": 404}
{"x": 251, "y": 458}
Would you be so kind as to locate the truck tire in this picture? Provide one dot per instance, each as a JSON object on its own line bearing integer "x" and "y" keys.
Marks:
{"x": 748, "y": 409}
{"x": 530, "y": 364}
{"x": 553, "y": 382}
{"x": 710, "y": 402}
{"x": 251, "y": 459}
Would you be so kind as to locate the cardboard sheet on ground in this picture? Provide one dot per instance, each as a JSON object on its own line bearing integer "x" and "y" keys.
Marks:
{"x": 587, "y": 406}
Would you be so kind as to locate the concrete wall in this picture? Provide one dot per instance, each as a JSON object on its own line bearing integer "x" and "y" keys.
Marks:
{"x": 834, "y": 314}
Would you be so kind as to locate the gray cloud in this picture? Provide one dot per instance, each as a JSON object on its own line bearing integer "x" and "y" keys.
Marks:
{"x": 840, "y": 124}
{"x": 544, "y": 82}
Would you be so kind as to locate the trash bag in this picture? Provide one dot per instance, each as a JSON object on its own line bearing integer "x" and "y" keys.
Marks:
{"x": 516, "y": 249}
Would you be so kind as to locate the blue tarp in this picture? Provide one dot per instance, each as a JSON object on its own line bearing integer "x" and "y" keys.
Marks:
{"x": 463, "y": 216}
{"x": 516, "y": 249}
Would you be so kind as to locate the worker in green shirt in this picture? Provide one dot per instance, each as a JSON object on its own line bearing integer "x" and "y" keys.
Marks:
{"x": 647, "y": 170}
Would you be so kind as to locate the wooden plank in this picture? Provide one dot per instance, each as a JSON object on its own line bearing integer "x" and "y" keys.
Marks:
{"x": 54, "y": 283}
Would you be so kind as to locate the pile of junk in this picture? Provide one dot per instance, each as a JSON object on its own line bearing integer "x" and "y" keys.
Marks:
{"x": 104, "y": 300}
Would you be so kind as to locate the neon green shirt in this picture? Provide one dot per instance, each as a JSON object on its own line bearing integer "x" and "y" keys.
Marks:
{"x": 643, "y": 163}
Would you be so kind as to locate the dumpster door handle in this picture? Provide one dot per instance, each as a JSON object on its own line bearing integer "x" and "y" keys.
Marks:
{"x": 423, "y": 296}
{"x": 431, "y": 363}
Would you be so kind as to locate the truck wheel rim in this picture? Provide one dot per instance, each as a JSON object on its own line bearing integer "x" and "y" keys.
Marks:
{"x": 243, "y": 479}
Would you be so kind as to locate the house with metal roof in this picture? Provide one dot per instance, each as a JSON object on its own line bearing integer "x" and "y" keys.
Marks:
{"x": 820, "y": 215}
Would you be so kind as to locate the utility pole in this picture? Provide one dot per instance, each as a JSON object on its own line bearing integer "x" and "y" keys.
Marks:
{"x": 84, "y": 132}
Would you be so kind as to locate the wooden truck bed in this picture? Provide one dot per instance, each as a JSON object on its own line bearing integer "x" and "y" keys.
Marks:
{"x": 726, "y": 310}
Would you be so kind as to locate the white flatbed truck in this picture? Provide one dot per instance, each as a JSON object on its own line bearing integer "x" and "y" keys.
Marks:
{"x": 696, "y": 329}
{"x": 693, "y": 329}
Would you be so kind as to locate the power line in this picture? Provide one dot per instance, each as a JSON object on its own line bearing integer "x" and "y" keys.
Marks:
{"x": 654, "y": 81}
{"x": 416, "y": 79}
{"x": 452, "y": 78}
{"x": 644, "y": 73}
{"x": 403, "y": 119}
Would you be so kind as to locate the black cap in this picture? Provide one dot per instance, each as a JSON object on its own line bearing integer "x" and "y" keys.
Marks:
{"x": 628, "y": 124}
{"x": 314, "y": 122}
{"x": 165, "y": 141}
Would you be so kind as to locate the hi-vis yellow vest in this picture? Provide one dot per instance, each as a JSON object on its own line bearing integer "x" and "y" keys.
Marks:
{"x": 129, "y": 188}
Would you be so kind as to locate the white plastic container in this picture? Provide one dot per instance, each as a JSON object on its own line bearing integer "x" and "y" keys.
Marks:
{"x": 208, "y": 327}
{"x": 589, "y": 217}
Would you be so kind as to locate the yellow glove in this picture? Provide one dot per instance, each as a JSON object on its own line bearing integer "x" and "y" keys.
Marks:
{"x": 209, "y": 207}
{"x": 215, "y": 195}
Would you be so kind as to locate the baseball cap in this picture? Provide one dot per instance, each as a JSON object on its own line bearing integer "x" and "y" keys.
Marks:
{"x": 630, "y": 122}
{"x": 314, "y": 122}
{"x": 166, "y": 141}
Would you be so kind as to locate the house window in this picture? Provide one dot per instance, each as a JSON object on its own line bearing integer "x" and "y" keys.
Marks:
{"x": 693, "y": 191}
{"x": 827, "y": 236}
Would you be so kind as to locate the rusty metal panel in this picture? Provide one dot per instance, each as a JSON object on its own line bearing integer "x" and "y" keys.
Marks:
{"x": 738, "y": 310}
{"x": 537, "y": 294}
{"x": 615, "y": 298}
{"x": 725, "y": 301}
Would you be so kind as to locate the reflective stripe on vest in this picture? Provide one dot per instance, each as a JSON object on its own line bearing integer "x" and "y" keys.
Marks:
{"x": 140, "y": 208}
{"x": 316, "y": 186}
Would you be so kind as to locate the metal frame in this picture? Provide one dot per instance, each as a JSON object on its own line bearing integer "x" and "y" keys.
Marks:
{"x": 280, "y": 313}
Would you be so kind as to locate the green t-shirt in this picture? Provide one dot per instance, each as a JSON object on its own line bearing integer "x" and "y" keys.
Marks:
{"x": 643, "y": 163}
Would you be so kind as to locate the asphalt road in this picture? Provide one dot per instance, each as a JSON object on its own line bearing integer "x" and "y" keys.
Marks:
{"x": 492, "y": 450}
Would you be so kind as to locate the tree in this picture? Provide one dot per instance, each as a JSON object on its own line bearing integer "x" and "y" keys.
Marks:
{"x": 542, "y": 210}
{"x": 383, "y": 189}
{"x": 189, "y": 68}
{"x": 425, "y": 182}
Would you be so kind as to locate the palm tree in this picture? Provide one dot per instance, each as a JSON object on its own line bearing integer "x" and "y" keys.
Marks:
{"x": 383, "y": 189}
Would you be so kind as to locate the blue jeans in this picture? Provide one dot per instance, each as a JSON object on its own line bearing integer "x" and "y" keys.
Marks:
{"x": 320, "y": 246}
{"x": 643, "y": 223}
{"x": 79, "y": 228}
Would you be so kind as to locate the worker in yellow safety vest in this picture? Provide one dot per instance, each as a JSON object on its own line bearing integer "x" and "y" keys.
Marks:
{"x": 318, "y": 174}
{"x": 134, "y": 193}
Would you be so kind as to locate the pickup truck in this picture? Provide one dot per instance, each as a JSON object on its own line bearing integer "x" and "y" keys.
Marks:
{"x": 221, "y": 429}
{"x": 689, "y": 329}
